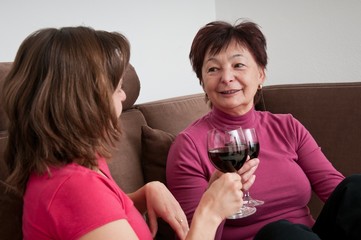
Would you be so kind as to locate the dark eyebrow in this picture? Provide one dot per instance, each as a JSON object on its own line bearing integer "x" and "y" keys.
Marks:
{"x": 231, "y": 57}
{"x": 237, "y": 55}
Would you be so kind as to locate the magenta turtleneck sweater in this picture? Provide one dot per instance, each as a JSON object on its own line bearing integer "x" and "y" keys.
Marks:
{"x": 291, "y": 166}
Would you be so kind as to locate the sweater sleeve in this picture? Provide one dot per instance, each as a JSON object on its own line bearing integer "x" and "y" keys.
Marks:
{"x": 185, "y": 174}
{"x": 319, "y": 170}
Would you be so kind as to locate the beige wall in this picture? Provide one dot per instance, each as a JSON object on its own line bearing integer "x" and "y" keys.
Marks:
{"x": 308, "y": 40}
{"x": 160, "y": 32}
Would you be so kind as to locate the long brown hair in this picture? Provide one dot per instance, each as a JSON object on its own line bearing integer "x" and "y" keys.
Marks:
{"x": 58, "y": 97}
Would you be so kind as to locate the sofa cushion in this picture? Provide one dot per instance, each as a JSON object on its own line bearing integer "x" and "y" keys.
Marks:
{"x": 131, "y": 87}
{"x": 155, "y": 147}
{"x": 4, "y": 69}
{"x": 174, "y": 114}
{"x": 3, "y": 167}
{"x": 331, "y": 112}
{"x": 125, "y": 164}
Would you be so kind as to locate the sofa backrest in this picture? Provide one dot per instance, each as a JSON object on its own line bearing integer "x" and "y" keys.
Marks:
{"x": 330, "y": 111}
{"x": 332, "y": 114}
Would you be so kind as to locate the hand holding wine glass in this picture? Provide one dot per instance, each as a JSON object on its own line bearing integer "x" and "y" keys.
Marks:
{"x": 227, "y": 151}
{"x": 253, "y": 151}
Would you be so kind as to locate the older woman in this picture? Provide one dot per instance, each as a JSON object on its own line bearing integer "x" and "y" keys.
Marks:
{"x": 230, "y": 63}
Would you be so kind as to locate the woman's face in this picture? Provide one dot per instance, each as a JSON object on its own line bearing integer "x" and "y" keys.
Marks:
{"x": 231, "y": 78}
{"x": 119, "y": 97}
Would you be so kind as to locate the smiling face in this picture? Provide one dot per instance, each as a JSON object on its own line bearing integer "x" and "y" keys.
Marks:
{"x": 231, "y": 78}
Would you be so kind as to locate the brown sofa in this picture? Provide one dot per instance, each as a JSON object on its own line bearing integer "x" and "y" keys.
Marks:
{"x": 331, "y": 112}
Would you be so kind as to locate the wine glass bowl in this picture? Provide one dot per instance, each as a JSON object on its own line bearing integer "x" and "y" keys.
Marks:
{"x": 253, "y": 151}
{"x": 228, "y": 151}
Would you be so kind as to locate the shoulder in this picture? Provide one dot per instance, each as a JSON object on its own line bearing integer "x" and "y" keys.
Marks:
{"x": 192, "y": 139}
{"x": 195, "y": 133}
{"x": 275, "y": 116}
{"x": 71, "y": 184}
{"x": 73, "y": 192}
{"x": 198, "y": 126}
{"x": 286, "y": 119}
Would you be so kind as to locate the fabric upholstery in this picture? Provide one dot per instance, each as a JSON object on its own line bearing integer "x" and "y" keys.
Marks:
{"x": 4, "y": 69}
{"x": 331, "y": 112}
{"x": 155, "y": 147}
{"x": 125, "y": 164}
{"x": 174, "y": 114}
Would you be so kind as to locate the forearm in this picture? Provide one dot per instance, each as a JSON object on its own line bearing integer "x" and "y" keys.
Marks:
{"x": 204, "y": 223}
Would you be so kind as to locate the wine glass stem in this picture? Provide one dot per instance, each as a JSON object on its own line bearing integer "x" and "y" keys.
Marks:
{"x": 246, "y": 196}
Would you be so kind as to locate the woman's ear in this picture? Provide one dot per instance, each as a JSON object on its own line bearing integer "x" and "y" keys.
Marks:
{"x": 262, "y": 75}
{"x": 202, "y": 84}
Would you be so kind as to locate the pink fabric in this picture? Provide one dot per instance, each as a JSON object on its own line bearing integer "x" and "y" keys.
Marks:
{"x": 73, "y": 200}
{"x": 291, "y": 165}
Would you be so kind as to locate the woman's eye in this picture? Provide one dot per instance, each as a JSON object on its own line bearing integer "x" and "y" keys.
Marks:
{"x": 212, "y": 69}
{"x": 239, "y": 65}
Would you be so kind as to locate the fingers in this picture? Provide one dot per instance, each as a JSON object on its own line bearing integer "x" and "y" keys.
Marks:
{"x": 248, "y": 168}
{"x": 247, "y": 172}
{"x": 229, "y": 194}
{"x": 247, "y": 185}
{"x": 179, "y": 224}
{"x": 161, "y": 203}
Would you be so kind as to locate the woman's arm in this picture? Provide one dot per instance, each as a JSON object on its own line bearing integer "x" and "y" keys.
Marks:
{"x": 155, "y": 199}
{"x": 115, "y": 230}
{"x": 223, "y": 198}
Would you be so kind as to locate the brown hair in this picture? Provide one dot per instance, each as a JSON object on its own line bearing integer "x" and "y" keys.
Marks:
{"x": 58, "y": 97}
{"x": 217, "y": 35}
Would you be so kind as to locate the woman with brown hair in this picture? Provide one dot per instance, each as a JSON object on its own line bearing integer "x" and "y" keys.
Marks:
{"x": 63, "y": 97}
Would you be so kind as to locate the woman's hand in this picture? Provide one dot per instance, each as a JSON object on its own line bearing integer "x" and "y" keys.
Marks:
{"x": 222, "y": 199}
{"x": 224, "y": 195}
{"x": 161, "y": 203}
{"x": 247, "y": 172}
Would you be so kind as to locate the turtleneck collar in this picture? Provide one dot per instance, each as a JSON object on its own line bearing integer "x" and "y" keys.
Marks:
{"x": 221, "y": 119}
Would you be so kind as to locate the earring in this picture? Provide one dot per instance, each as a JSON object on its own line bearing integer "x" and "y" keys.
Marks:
{"x": 260, "y": 87}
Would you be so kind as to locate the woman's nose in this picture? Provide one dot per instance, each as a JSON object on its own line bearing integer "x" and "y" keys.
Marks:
{"x": 227, "y": 76}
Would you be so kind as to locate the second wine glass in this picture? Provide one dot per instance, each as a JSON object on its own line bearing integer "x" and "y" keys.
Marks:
{"x": 227, "y": 151}
{"x": 253, "y": 151}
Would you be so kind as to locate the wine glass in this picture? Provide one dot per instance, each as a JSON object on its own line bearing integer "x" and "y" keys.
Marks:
{"x": 227, "y": 151}
{"x": 253, "y": 151}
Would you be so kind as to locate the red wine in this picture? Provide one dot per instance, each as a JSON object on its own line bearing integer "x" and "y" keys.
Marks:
{"x": 228, "y": 159}
{"x": 253, "y": 150}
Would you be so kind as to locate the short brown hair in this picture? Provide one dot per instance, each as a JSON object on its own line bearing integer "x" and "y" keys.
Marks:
{"x": 58, "y": 97}
{"x": 217, "y": 35}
